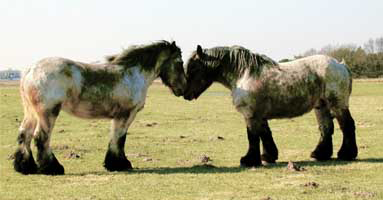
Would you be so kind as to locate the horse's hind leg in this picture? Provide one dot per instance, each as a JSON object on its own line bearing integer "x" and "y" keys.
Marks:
{"x": 115, "y": 159}
{"x": 270, "y": 151}
{"x": 324, "y": 149}
{"x": 349, "y": 149}
{"x": 47, "y": 162}
{"x": 24, "y": 162}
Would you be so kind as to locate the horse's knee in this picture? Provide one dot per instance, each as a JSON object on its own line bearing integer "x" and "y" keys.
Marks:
{"x": 324, "y": 119}
{"x": 346, "y": 122}
{"x": 41, "y": 140}
{"x": 326, "y": 128}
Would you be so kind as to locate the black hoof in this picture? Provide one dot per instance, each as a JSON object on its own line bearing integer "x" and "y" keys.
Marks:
{"x": 248, "y": 162}
{"x": 53, "y": 167}
{"x": 24, "y": 166}
{"x": 348, "y": 154}
{"x": 114, "y": 162}
{"x": 322, "y": 152}
{"x": 321, "y": 156}
{"x": 268, "y": 158}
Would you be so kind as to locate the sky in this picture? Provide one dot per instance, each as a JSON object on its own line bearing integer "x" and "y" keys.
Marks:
{"x": 88, "y": 30}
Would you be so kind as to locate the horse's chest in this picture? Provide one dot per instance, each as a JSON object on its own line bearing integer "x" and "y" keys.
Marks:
{"x": 132, "y": 91}
{"x": 240, "y": 97}
{"x": 242, "y": 101}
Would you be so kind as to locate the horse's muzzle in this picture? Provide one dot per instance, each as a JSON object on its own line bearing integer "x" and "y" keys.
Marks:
{"x": 189, "y": 96}
{"x": 178, "y": 92}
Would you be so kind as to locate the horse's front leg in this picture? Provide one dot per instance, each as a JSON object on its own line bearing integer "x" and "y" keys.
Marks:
{"x": 253, "y": 157}
{"x": 270, "y": 150}
{"x": 115, "y": 159}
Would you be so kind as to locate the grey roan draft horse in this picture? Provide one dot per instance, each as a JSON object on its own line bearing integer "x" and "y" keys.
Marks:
{"x": 115, "y": 90}
{"x": 263, "y": 89}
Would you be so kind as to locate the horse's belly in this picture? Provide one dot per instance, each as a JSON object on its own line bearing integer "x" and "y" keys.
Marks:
{"x": 90, "y": 110}
{"x": 291, "y": 106}
{"x": 287, "y": 111}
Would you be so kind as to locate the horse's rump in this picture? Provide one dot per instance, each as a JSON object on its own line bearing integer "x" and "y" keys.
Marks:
{"x": 335, "y": 77}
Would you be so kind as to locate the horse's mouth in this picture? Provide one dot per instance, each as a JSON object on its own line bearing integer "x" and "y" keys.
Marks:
{"x": 190, "y": 96}
{"x": 178, "y": 92}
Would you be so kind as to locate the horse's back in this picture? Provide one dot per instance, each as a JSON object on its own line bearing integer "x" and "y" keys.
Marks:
{"x": 326, "y": 67}
{"x": 336, "y": 77}
{"x": 317, "y": 63}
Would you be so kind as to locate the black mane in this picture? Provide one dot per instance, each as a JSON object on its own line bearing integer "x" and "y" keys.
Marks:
{"x": 237, "y": 57}
{"x": 145, "y": 55}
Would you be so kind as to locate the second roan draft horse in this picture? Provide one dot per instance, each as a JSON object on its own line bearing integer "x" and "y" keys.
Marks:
{"x": 263, "y": 89}
{"x": 115, "y": 90}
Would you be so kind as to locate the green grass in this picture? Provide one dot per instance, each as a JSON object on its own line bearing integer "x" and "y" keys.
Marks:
{"x": 165, "y": 144}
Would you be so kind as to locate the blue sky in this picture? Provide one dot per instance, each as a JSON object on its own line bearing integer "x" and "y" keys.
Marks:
{"x": 87, "y": 30}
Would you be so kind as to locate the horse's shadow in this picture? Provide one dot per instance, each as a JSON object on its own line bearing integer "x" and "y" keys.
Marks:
{"x": 211, "y": 169}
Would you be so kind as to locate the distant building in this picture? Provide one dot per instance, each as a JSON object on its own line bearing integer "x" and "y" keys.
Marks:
{"x": 10, "y": 74}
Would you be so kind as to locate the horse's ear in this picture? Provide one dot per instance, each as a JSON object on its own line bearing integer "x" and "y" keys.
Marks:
{"x": 173, "y": 46}
{"x": 199, "y": 50}
{"x": 110, "y": 58}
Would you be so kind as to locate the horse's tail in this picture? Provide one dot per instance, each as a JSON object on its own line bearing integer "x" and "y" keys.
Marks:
{"x": 29, "y": 112}
{"x": 343, "y": 62}
{"x": 350, "y": 87}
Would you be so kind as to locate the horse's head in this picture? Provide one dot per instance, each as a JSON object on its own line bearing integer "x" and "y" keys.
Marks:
{"x": 172, "y": 73}
{"x": 199, "y": 77}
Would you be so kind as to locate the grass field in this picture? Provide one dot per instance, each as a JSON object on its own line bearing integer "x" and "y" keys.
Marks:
{"x": 169, "y": 138}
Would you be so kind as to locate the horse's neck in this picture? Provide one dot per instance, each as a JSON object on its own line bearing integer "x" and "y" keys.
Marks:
{"x": 228, "y": 82}
{"x": 229, "y": 78}
{"x": 154, "y": 73}
{"x": 136, "y": 75}
{"x": 150, "y": 76}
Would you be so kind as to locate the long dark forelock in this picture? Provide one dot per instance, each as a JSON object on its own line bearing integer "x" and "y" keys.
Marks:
{"x": 237, "y": 58}
{"x": 144, "y": 55}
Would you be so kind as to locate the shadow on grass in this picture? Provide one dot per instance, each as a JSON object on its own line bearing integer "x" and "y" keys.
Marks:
{"x": 211, "y": 169}
{"x": 332, "y": 162}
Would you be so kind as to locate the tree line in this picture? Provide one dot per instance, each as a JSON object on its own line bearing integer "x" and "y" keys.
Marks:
{"x": 364, "y": 62}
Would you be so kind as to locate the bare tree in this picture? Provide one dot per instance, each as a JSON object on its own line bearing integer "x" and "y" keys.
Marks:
{"x": 369, "y": 46}
{"x": 350, "y": 46}
{"x": 379, "y": 44}
{"x": 327, "y": 49}
{"x": 310, "y": 52}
